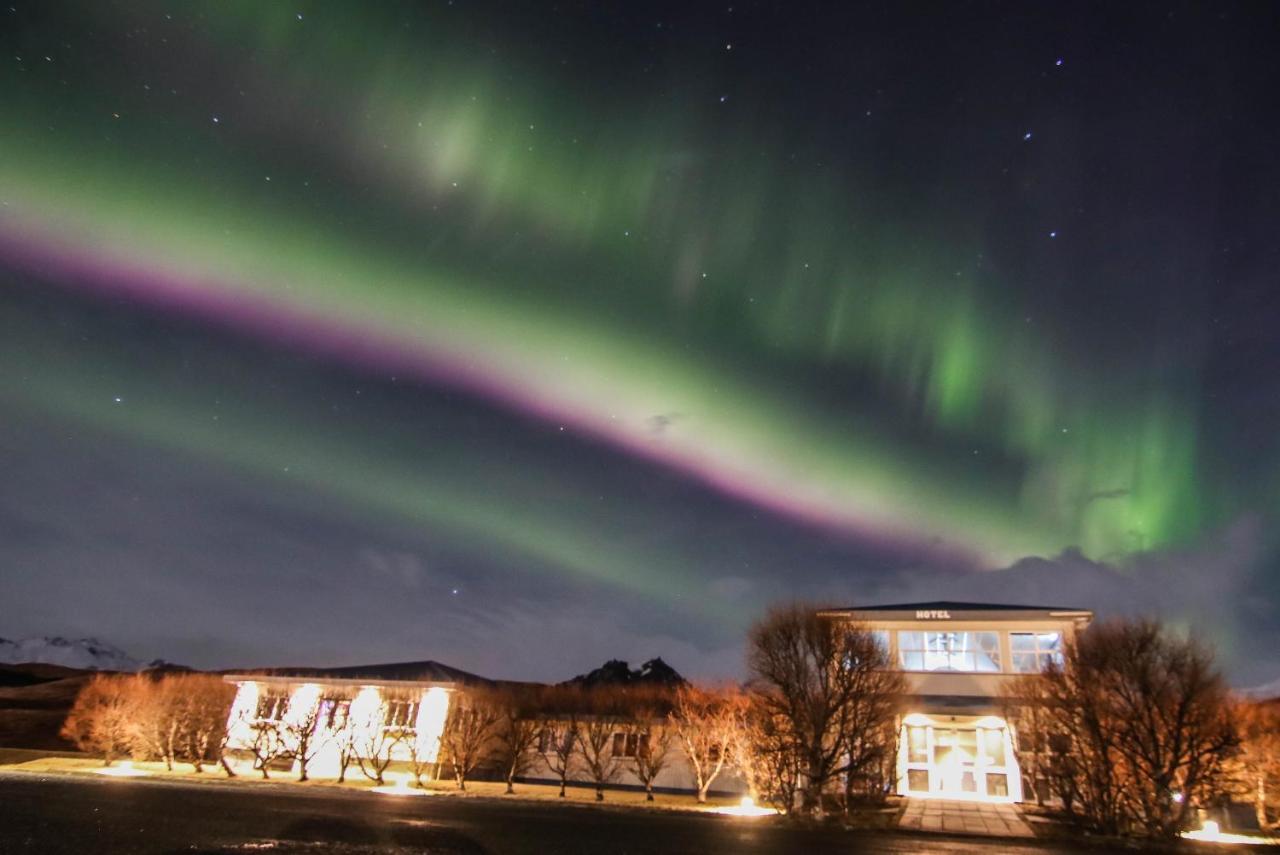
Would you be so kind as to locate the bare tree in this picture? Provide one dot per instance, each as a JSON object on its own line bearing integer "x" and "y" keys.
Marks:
{"x": 469, "y": 733}
{"x": 207, "y": 699}
{"x": 1256, "y": 769}
{"x": 766, "y": 755}
{"x": 302, "y": 731}
{"x": 560, "y": 729}
{"x": 605, "y": 720}
{"x": 372, "y": 747}
{"x": 1147, "y": 724}
{"x": 268, "y": 745}
{"x": 831, "y": 684}
{"x": 653, "y": 741}
{"x": 517, "y": 733}
{"x": 705, "y": 724}
{"x": 100, "y": 720}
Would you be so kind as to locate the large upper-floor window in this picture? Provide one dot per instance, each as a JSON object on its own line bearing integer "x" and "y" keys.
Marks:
{"x": 949, "y": 651}
{"x": 1033, "y": 651}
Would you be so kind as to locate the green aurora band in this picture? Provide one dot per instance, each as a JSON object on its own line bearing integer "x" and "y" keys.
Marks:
{"x": 592, "y": 265}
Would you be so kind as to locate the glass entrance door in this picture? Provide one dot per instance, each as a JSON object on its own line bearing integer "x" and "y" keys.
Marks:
{"x": 955, "y": 753}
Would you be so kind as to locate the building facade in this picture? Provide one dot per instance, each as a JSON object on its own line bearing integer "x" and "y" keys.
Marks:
{"x": 958, "y": 657}
{"x": 953, "y": 741}
{"x": 393, "y": 711}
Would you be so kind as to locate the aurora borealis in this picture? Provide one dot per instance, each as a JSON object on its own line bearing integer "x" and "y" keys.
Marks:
{"x": 488, "y": 322}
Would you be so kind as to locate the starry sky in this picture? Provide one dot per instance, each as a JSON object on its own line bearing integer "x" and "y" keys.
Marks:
{"x": 525, "y": 335}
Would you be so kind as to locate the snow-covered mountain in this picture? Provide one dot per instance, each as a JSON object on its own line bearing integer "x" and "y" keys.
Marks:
{"x": 87, "y": 653}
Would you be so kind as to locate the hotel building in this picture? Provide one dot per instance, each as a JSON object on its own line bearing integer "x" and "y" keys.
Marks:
{"x": 957, "y": 657}
{"x": 953, "y": 741}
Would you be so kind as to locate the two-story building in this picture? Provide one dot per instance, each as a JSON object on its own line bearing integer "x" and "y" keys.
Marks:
{"x": 953, "y": 742}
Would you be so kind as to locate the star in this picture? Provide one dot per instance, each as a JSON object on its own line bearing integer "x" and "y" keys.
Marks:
{"x": 1026, "y": 136}
{"x": 724, "y": 98}
{"x": 1058, "y": 61}
{"x": 1053, "y": 234}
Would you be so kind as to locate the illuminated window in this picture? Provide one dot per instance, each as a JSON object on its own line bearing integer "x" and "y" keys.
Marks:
{"x": 271, "y": 705}
{"x": 949, "y": 651}
{"x": 401, "y": 713}
{"x": 1033, "y": 651}
{"x": 882, "y": 638}
{"x": 333, "y": 713}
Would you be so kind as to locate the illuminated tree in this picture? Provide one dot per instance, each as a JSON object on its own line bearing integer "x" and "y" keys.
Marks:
{"x": 301, "y": 728}
{"x": 606, "y": 718}
{"x": 1145, "y": 726}
{"x": 158, "y": 717}
{"x": 517, "y": 733}
{"x": 100, "y": 720}
{"x": 653, "y": 741}
{"x": 830, "y": 683}
{"x": 706, "y": 726}
{"x": 469, "y": 734}
{"x": 560, "y": 729}
{"x": 1256, "y": 768}
{"x": 206, "y": 700}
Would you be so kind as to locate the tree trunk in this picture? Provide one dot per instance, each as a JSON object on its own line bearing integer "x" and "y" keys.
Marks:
{"x": 226, "y": 767}
{"x": 599, "y": 793}
{"x": 1260, "y": 802}
{"x": 510, "y": 784}
{"x": 648, "y": 791}
{"x": 562, "y": 785}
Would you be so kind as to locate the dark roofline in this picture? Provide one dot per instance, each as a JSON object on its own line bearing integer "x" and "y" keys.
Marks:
{"x": 425, "y": 671}
{"x": 959, "y": 606}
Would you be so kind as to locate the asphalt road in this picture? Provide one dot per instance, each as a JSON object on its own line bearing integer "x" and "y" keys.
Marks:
{"x": 65, "y": 814}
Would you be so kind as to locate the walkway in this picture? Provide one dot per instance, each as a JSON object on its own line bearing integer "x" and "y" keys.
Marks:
{"x": 961, "y": 817}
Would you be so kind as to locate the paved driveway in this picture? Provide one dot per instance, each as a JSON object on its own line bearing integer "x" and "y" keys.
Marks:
{"x": 961, "y": 817}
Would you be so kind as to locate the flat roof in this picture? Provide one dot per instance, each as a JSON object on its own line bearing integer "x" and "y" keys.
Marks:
{"x": 957, "y": 610}
{"x": 425, "y": 672}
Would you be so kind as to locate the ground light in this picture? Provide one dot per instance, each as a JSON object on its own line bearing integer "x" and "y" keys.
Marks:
{"x": 124, "y": 770}
{"x": 1211, "y": 833}
{"x": 400, "y": 787}
{"x": 746, "y": 807}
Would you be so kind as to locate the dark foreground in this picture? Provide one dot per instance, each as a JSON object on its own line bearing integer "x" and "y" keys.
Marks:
{"x": 54, "y": 814}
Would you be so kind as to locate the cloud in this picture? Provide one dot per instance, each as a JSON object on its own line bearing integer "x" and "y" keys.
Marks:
{"x": 1206, "y": 590}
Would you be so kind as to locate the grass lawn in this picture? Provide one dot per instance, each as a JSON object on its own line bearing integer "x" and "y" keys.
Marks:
{"x": 213, "y": 774}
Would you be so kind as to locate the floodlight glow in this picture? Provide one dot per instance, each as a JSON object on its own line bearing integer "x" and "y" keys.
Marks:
{"x": 124, "y": 770}
{"x": 399, "y": 787}
{"x": 746, "y": 807}
{"x": 1210, "y": 832}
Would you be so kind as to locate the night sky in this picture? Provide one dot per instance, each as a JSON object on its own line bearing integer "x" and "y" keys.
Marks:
{"x": 525, "y": 335}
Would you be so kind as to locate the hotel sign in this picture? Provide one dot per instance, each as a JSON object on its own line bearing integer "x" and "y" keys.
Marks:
{"x": 933, "y": 614}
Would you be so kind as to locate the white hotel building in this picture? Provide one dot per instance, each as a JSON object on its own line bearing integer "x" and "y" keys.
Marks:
{"x": 953, "y": 742}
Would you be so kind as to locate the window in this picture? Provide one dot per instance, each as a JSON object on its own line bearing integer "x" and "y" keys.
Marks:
{"x": 271, "y": 705}
{"x": 949, "y": 651}
{"x": 630, "y": 744}
{"x": 402, "y": 713}
{"x": 333, "y": 713}
{"x": 1033, "y": 651}
{"x": 552, "y": 740}
{"x": 882, "y": 638}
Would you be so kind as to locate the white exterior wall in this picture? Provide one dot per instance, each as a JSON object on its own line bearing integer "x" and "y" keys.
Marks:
{"x": 934, "y": 711}
{"x": 367, "y": 711}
